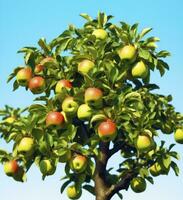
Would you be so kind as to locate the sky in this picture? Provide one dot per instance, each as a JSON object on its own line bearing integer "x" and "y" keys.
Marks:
{"x": 22, "y": 23}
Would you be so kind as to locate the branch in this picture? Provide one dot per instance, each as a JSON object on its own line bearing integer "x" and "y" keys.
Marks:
{"x": 118, "y": 146}
{"x": 123, "y": 184}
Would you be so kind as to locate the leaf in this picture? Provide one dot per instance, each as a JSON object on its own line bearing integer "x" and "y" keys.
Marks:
{"x": 163, "y": 54}
{"x": 144, "y": 54}
{"x": 120, "y": 195}
{"x": 166, "y": 161}
{"x": 64, "y": 186}
{"x": 114, "y": 74}
{"x": 86, "y": 16}
{"x": 175, "y": 168}
{"x": 150, "y": 179}
{"x": 102, "y": 19}
{"x": 144, "y": 32}
{"x": 44, "y": 46}
{"x": 15, "y": 85}
{"x": 89, "y": 188}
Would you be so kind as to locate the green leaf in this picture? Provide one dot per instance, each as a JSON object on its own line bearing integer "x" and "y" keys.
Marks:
{"x": 15, "y": 85}
{"x": 64, "y": 186}
{"x": 144, "y": 32}
{"x": 120, "y": 195}
{"x": 175, "y": 168}
{"x": 89, "y": 188}
{"x": 102, "y": 19}
{"x": 86, "y": 16}
{"x": 166, "y": 161}
{"x": 163, "y": 54}
{"x": 44, "y": 46}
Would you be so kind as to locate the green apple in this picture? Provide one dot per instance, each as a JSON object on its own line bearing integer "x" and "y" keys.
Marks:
{"x": 139, "y": 70}
{"x": 26, "y": 145}
{"x": 155, "y": 169}
{"x": 78, "y": 163}
{"x": 100, "y": 34}
{"x": 23, "y": 76}
{"x": 138, "y": 184}
{"x": 178, "y": 135}
{"x": 144, "y": 143}
{"x": 37, "y": 85}
{"x": 70, "y": 106}
{"x": 84, "y": 112}
{"x": 93, "y": 97}
{"x": 128, "y": 52}
{"x": 11, "y": 167}
{"x": 85, "y": 66}
{"x": 54, "y": 118}
{"x": 62, "y": 84}
{"x": 73, "y": 192}
{"x": 46, "y": 167}
{"x": 107, "y": 130}
{"x": 10, "y": 120}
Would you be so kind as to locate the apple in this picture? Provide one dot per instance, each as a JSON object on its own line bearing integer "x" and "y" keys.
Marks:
{"x": 11, "y": 167}
{"x": 138, "y": 184}
{"x": 26, "y": 145}
{"x": 93, "y": 97}
{"x": 37, "y": 85}
{"x": 128, "y": 52}
{"x": 70, "y": 106}
{"x": 47, "y": 59}
{"x": 10, "y": 120}
{"x": 84, "y": 112}
{"x": 155, "y": 169}
{"x": 73, "y": 192}
{"x": 100, "y": 34}
{"x": 139, "y": 70}
{"x": 46, "y": 167}
{"x": 178, "y": 135}
{"x": 54, "y": 118}
{"x": 107, "y": 130}
{"x": 85, "y": 66}
{"x": 23, "y": 76}
{"x": 144, "y": 143}
{"x": 63, "y": 84}
{"x": 38, "y": 68}
{"x": 78, "y": 163}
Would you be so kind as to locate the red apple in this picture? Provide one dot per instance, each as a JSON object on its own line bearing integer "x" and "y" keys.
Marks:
{"x": 23, "y": 76}
{"x": 11, "y": 167}
{"x": 62, "y": 84}
{"x": 38, "y": 68}
{"x": 54, "y": 118}
{"x": 107, "y": 130}
{"x": 93, "y": 97}
{"x": 37, "y": 85}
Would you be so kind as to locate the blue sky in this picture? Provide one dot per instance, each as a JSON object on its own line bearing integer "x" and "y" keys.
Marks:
{"x": 22, "y": 23}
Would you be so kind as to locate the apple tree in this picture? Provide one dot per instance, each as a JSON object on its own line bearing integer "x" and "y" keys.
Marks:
{"x": 93, "y": 99}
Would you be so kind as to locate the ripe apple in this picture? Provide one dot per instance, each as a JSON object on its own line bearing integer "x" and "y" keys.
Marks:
{"x": 10, "y": 120}
{"x": 26, "y": 145}
{"x": 155, "y": 169}
{"x": 70, "y": 106}
{"x": 84, "y": 112}
{"x": 54, "y": 118}
{"x": 93, "y": 97}
{"x": 23, "y": 76}
{"x": 78, "y": 163}
{"x": 37, "y": 85}
{"x": 73, "y": 192}
{"x": 85, "y": 66}
{"x": 139, "y": 70}
{"x": 107, "y": 131}
{"x": 62, "y": 84}
{"x": 19, "y": 175}
{"x": 47, "y": 59}
{"x": 128, "y": 52}
{"x": 38, "y": 68}
{"x": 100, "y": 34}
{"x": 144, "y": 143}
{"x": 46, "y": 167}
{"x": 178, "y": 135}
{"x": 11, "y": 167}
{"x": 138, "y": 184}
